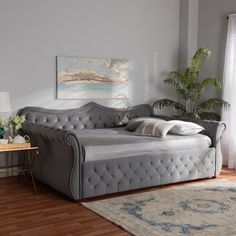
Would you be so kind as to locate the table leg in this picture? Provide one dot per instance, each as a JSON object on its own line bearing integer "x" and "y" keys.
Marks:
{"x": 7, "y": 162}
{"x": 12, "y": 169}
{"x": 22, "y": 164}
{"x": 30, "y": 166}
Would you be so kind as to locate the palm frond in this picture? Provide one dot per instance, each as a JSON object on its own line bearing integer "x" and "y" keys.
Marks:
{"x": 190, "y": 76}
{"x": 213, "y": 104}
{"x": 199, "y": 58}
{"x": 174, "y": 75}
{"x": 173, "y": 78}
{"x": 209, "y": 116}
{"x": 190, "y": 115}
{"x": 211, "y": 81}
{"x": 168, "y": 103}
{"x": 180, "y": 90}
{"x": 196, "y": 89}
{"x": 176, "y": 81}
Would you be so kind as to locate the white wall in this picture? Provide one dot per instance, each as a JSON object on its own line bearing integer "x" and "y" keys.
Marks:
{"x": 34, "y": 32}
{"x": 212, "y": 34}
{"x": 212, "y": 29}
{"x": 188, "y": 32}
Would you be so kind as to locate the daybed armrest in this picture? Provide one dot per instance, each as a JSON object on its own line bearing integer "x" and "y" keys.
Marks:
{"x": 46, "y": 132}
{"x": 213, "y": 129}
{"x": 59, "y": 161}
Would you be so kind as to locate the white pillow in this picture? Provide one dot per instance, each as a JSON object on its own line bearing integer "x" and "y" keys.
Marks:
{"x": 184, "y": 127}
{"x": 157, "y": 128}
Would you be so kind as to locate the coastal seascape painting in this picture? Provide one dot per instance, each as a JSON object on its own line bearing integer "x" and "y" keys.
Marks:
{"x": 91, "y": 78}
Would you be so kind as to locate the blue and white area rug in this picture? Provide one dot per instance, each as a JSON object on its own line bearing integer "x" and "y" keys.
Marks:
{"x": 204, "y": 209}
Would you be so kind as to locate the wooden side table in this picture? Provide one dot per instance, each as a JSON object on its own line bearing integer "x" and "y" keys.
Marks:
{"x": 28, "y": 156}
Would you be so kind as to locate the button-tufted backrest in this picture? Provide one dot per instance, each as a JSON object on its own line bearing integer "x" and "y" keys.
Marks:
{"x": 89, "y": 116}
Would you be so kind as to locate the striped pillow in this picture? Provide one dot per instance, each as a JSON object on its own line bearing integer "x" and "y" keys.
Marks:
{"x": 133, "y": 124}
{"x": 156, "y": 128}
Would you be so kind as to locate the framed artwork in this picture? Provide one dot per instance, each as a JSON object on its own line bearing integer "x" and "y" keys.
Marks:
{"x": 91, "y": 78}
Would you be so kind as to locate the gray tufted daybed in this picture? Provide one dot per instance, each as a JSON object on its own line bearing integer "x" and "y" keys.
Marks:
{"x": 86, "y": 152}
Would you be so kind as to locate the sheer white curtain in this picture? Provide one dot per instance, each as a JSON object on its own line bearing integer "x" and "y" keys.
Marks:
{"x": 229, "y": 94}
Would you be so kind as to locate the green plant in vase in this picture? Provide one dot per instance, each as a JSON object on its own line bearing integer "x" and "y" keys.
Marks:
{"x": 3, "y": 126}
{"x": 16, "y": 123}
{"x": 190, "y": 88}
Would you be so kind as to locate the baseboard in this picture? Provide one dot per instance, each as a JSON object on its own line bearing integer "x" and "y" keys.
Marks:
{"x": 4, "y": 172}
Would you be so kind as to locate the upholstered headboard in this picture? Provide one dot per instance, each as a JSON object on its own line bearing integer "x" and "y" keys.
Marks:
{"x": 89, "y": 116}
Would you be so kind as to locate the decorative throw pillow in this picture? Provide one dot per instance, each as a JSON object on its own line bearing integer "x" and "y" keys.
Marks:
{"x": 184, "y": 127}
{"x": 157, "y": 128}
{"x": 133, "y": 124}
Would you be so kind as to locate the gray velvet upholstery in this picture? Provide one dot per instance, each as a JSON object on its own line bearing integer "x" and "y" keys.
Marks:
{"x": 61, "y": 164}
{"x": 213, "y": 129}
{"x": 102, "y": 177}
{"x": 89, "y": 116}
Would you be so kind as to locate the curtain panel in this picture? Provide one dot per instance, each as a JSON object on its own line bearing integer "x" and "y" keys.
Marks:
{"x": 229, "y": 94}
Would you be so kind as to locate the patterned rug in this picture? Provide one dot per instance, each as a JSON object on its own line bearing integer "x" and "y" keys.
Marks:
{"x": 204, "y": 209}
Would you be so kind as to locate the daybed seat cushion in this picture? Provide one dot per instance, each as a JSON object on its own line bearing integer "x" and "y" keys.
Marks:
{"x": 103, "y": 144}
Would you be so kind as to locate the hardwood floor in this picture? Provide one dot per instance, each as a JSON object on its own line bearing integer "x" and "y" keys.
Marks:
{"x": 22, "y": 212}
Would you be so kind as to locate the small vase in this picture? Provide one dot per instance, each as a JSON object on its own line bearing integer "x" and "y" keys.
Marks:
{"x": 13, "y": 132}
{"x": 2, "y": 132}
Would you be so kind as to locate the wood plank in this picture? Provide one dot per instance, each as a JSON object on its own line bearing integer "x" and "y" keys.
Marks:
{"x": 19, "y": 149}
{"x": 23, "y": 213}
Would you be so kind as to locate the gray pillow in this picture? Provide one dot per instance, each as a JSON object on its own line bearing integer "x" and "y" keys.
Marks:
{"x": 185, "y": 128}
{"x": 133, "y": 124}
{"x": 156, "y": 128}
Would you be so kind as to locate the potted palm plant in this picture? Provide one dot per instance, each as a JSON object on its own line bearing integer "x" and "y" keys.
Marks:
{"x": 190, "y": 89}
